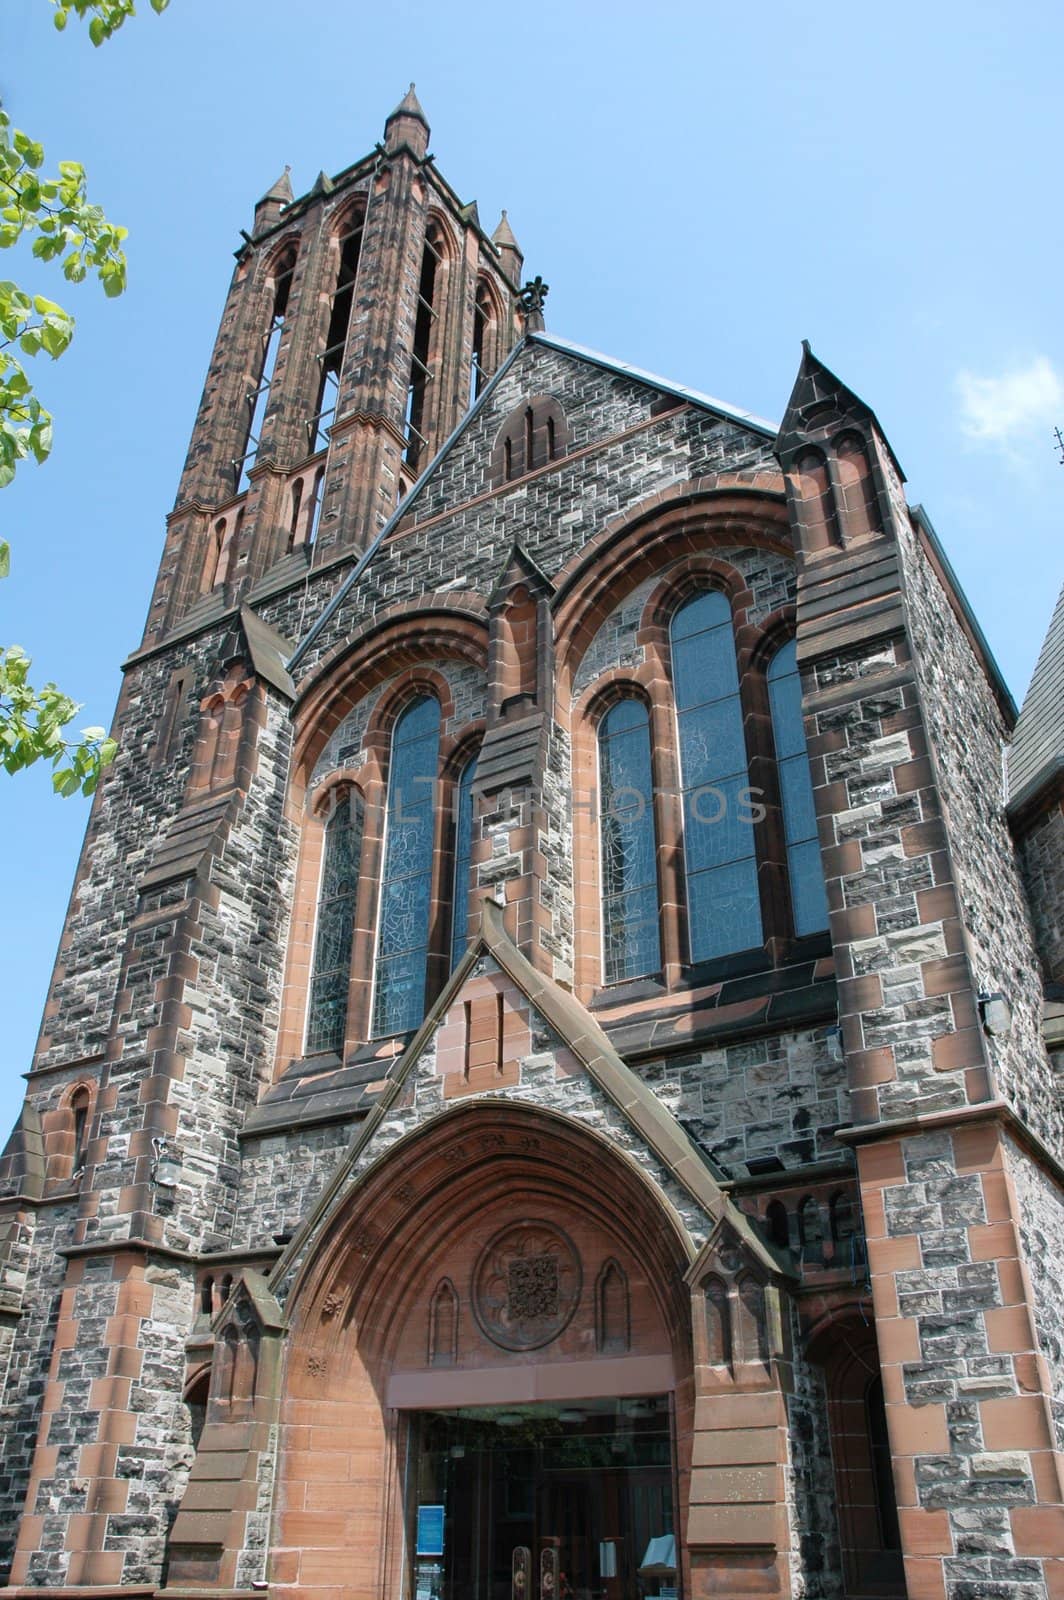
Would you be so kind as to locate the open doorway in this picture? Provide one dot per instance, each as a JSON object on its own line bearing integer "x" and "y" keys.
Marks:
{"x": 543, "y": 1502}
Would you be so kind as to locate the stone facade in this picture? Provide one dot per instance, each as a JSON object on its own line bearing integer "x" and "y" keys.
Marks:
{"x": 807, "y": 1194}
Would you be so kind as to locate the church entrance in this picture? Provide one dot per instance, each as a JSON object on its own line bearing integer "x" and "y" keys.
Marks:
{"x": 543, "y": 1502}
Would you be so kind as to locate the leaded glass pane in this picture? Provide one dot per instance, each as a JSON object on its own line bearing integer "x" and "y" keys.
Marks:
{"x": 406, "y": 883}
{"x": 724, "y": 909}
{"x": 631, "y": 937}
{"x": 799, "y": 812}
{"x": 463, "y": 849}
{"x": 713, "y": 742}
{"x": 718, "y": 824}
{"x": 710, "y": 609}
{"x": 808, "y": 897}
{"x": 327, "y": 1011}
{"x": 723, "y": 905}
{"x": 703, "y": 667}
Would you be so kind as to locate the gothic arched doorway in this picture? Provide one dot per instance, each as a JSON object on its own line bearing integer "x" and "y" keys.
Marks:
{"x": 489, "y": 1370}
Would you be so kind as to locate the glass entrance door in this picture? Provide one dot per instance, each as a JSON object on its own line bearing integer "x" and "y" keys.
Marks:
{"x": 543, "y": 1502}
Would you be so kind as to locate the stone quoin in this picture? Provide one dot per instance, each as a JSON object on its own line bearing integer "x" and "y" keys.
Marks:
{"x": 551, "y": 1081}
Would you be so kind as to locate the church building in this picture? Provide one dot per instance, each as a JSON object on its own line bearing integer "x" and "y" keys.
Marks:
{"x": 551, "y": 1085}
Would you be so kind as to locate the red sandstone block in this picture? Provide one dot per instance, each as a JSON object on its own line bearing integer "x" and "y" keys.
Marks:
{"x": 899, "y": 1339}
{"x": 918, "y": 1430}
{"x": 991, "y": 1242}
{"x": 881, "y": 1164}
{"x": 1016, "y": 1423}
{"x": 895, "y": 1255}
{"x": 924, "y": 1578}
{"x": 1038, "y": 1530}
{"x": 977, "y": 1147}
{"x": 1008, "y": 1328}
{"x": 925, "y": 1533}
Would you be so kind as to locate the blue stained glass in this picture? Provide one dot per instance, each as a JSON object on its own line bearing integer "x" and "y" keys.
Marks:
{"x": 718, "y": 824}
{"x": 406, "y": 883}
{"x": 703, "y": 668}
{"x": 709, "y": 609}
{"x": 713, "y": 742}
{"x": 799, "y": 812}
{"x": 463, "y": 850}
{"x": 327, "y": 1011}
{"x": 630, "y": 928}
{"x": 808, "y": 898}
{"x": 723, "y": 905}
{"x": 724, "y": 909}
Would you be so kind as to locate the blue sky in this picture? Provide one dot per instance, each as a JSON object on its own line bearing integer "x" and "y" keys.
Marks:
{"x": 702, "y": 186}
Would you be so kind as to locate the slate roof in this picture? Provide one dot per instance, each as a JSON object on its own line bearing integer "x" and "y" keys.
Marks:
{"x": 1037, "y": 749}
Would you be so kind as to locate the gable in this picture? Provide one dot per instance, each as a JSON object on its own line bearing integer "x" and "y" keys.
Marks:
{"x": 627, "y": 439}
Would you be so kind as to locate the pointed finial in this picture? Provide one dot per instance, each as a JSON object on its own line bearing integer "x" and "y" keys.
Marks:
{"x": 273, "y": 202}
{"x": 407, "y": 125}
{"x": 511, "y": 257}
{"x": 503, "y": 236}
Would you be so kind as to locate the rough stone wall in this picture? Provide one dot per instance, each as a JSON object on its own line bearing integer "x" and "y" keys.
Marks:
{"x": 281, "y": 1176}
{"x": 1042, "y": 859}
{"x": 966, "y": 735}
{"x": 27, "y": 1370}
{"x": 136, "y": 801}
{"x": 968, "y": 1446}
{"x": 780, "y": 1096}
{"x": 153, "y": 1462}
{"x": 1041, "y": 1205}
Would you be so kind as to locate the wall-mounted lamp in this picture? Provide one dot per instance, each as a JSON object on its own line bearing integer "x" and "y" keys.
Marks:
{"x": 833, "y": 1039}
{"x": 166, "y": 1168}
{"x": 995, "y": 1013}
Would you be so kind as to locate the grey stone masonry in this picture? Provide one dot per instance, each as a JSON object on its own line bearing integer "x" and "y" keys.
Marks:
{"x": 966, "y": 735}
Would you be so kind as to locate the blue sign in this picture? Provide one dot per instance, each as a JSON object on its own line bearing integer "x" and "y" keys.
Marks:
{"x": 430, "y": 1530}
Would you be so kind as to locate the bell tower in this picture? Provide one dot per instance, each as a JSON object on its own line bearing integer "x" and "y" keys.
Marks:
{"x": 362, "y": 319}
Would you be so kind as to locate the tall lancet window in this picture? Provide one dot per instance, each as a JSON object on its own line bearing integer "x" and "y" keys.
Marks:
{"x": 463, "y": 850}
{"x": 406, "y": 887}
{"x": 331, "y": 358}
{"x": 327, "y": 1012}
{"x": 723, "y": 907}
{"x": 259, "y": 398}
{"x": 808, "y": 898}
{"x": 631, "y": 941}
{"x": 421, "y": 372}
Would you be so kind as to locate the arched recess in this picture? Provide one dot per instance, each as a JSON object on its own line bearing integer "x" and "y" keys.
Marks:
{"x": 845, "y": 1347}
{"x": 458, "y": 1201}
{"x": 692, "y": 522}
{"x": 400, "y": 655}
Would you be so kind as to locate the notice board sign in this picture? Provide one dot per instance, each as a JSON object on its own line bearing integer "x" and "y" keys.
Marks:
{"x": 429, "y": 1531}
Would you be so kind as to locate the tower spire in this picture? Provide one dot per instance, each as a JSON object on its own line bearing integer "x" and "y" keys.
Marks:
{"x": 407, "y": 125}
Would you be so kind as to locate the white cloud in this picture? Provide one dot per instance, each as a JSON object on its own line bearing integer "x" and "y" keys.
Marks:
{"x": 1002, "y": 411}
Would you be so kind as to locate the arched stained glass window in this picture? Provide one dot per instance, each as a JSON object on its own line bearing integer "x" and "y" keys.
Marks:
{"x": 327, "y": 1013}
{"x": 808, "y": 898}
{"x": 723, "y": 907}
{"x": 630, "y": 933}
{"x": 463, "y": 849}
{"x": 406, "y": 888}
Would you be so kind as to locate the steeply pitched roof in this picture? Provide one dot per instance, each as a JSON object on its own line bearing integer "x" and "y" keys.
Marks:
{"x": 1037, "y": 749}
{"x": 653, "y": 381}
